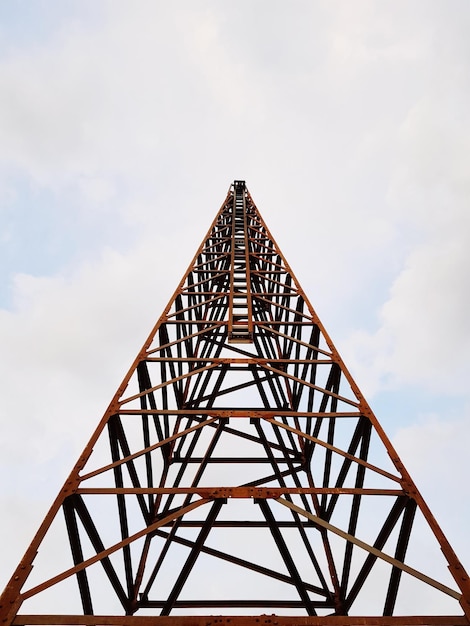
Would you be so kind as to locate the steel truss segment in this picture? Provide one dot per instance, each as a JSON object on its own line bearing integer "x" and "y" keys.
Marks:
{"x": 238, "y": 399}
{"x": 105, "y": 553}
{"x": 169, "y": 382}
{"x": 378, "y": 553}
{"x": 155, "y": 446}
{"x": 346, "y": 455}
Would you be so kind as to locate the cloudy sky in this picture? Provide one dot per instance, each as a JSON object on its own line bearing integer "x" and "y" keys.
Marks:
{"x": 122, "y": 125}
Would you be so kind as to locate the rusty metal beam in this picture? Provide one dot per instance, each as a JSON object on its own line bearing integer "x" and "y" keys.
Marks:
{"x": 239, "y": 620}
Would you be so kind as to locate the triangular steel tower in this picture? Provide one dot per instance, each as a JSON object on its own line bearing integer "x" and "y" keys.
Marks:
{"x": 238, "y": 477}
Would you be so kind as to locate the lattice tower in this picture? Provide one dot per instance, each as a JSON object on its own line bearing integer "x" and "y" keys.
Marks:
{"x": 238, "y": 472}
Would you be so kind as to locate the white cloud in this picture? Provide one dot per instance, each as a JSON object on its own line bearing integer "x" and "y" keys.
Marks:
{"x": 434, "y": 451}
{"x": 423, "y": 336}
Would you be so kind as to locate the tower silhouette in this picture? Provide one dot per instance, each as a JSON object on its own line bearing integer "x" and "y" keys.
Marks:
{"x": 238, "y": 476}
